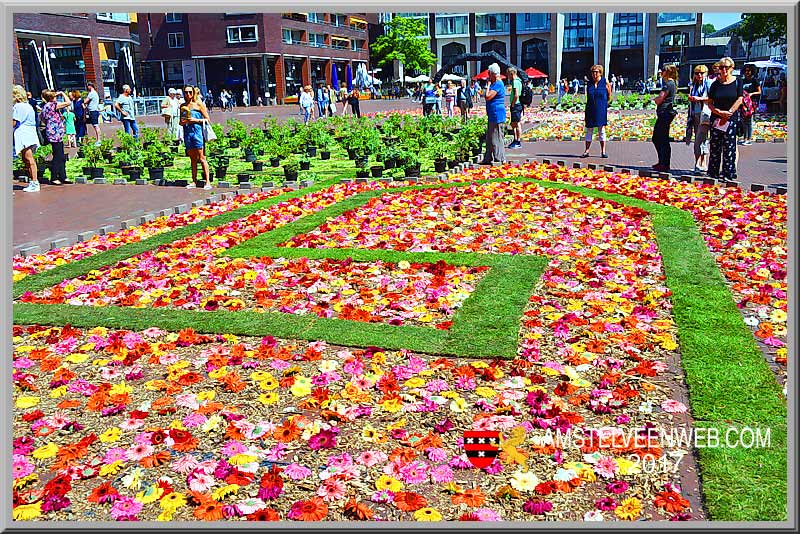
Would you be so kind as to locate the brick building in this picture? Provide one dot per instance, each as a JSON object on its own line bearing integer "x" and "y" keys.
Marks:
{"x": 258, "y": 51}
{"x": 83, "y": 46}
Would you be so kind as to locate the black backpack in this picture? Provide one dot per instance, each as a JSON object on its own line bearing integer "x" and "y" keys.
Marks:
{"x": 526, "y": 98}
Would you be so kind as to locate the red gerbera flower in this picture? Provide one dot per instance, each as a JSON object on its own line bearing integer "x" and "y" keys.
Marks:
{"x": 311, "y": 510}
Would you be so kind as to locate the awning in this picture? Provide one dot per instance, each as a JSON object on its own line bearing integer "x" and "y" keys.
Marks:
{"x": 339, "y": 39}
{"x": 357, "y": 20}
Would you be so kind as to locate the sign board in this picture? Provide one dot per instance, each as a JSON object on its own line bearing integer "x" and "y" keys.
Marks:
{"x": 189, "y": 73}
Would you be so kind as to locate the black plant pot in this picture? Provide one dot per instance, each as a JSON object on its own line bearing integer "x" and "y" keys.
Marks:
{"x": 351, "y": 153}
{"x": 134, "y": 173}
{"x": 221, "y": 172}
{"x": 389, "y": 163}
{"x": 362, "y": 173}
{"x": 290, "y": 176}
{"x": 87, "y": 171}
{"x": 305, "y": 165}
{"x": 440, "y": 165}
{"x": 258, "y": 165}
{"x": 19, "y": 173}
{"x": 476, "y": 151}
{"x": 156, "y": 173}
{"x": 362, "y": 161}
{"x": 324, "y": 155}
{"x": 275, "y": 162}
{"x": 451, "y": 164}
{"x": 250, "y": 156}
{"x": 234, "y": 144}
{"x": 147, "y": 144}
{"x": 243, "y": 177}
{"x": 311, "y": 151}
{"x": 377, "y": 171}
{"x": 412, "y": 171}
{"x": 96, "y": 172}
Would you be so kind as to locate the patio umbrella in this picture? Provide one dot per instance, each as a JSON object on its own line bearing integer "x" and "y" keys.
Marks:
{"x": 349, "y": 75}
{"x": 124, "y": 74}
{"x": 535, "y": 73}
{"x": 36, "y": 78}
{"x": 48, "y": 69}
{"x": 334, "y": 78}
{"x": 485, "y": 76}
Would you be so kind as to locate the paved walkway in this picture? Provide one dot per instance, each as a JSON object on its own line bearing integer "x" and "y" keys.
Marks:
{"x": 63, "y": 211}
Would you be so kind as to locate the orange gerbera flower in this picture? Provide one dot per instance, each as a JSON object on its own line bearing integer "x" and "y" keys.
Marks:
{"x": 311, "y": 510}
{"x": 470, "y": 497}
{"x": 287, "y": 432}
{"x": 671, "y": 501}
{"x": 209, "y": 511}
{"x": 358, "y": 510}
{"x": 408, "y": 501}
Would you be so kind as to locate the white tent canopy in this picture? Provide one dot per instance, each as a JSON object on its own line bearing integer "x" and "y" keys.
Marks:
{"x": 417, "y": 79}
{"x": 767, "y": 64}
{"x": 451, "y": 78}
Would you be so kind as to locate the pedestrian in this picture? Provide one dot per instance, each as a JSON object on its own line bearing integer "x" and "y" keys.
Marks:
{"x": 209, "y": 101}
{"x": 321, "y": 99}
{"x": 575, "y": 85}
{"x": 516, "y": 107}
{"x": 259, "y": 102}
{"x": 751, "y": 86}
{"x": 193, "y": 119}
{"x": 699, "y": 118}
{"x": 438, "y": 105}
{"x": 545, "y": 93}
{"x": 92, "y": 102}
{"x": 428, "y": 98}
{"x": 124, "y": 106}
{"x": 496, "y": 115}
{"x": 69, "y": 122}
{"x": 79, "y": 109}
{"x": 331, "y": 100}
{"x": 231, "y": 101}
{"x": 562, "y": 89}
{"x": 782, "y": 94}
{"x": 450, "y": 99}
{"x": 598, "y": 96}
{"x": 665, "y": 113}
{"x": 55, "y": 130}
{"x": 26, "y": 139}
{"x": 343, "y": 96}
{"x": 267, "y": 97}
{"x": 354, "y": 101}
{"x": 306, "y": 103}
{"x": 464, "y": 99}
{"x": 223, "y": 97}
{"x": 724, "y": 99}
{"x": 170, "y": 111}
{"x": 245, "y": 98}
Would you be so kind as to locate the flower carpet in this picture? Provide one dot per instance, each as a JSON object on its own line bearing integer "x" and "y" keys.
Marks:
{"x": 317, "y": 355}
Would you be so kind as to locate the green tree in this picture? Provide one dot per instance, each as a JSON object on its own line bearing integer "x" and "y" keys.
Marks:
{"x": 754, "y": 26}
{"x": 708, "y": 28}
{"x": 401, "y": 41}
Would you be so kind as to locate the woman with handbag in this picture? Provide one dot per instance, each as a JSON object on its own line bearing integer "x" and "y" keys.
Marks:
{"x": 665, "y": 113}
{"x": 26, "y": 140}
{"x": 699, "y": 120}
{"x": 724, "y": 98}
{"x": 194, "y": 117}
{"x": 55, "y": 129}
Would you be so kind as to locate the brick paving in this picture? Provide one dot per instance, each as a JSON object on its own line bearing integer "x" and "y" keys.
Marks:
{"x": 63, "y": 211}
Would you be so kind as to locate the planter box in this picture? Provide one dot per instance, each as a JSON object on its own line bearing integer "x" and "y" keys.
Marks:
{"x": 412, "y": 172}
{"x": 377, "y": 171}
{"x": 156, "y": 173}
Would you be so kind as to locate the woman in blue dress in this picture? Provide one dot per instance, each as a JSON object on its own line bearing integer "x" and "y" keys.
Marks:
{"x": 598, "y": 95}
{"x": 194, "y": 115}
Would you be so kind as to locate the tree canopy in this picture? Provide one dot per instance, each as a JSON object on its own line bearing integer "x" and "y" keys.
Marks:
{"x": 401, "y": 41}
{"x": 757, "y": 25}
{"x": 708, "y": 28}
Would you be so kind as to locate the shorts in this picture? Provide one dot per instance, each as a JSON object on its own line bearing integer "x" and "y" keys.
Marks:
{"x": 516, "y": 113}
{"x": 94, "y": 117}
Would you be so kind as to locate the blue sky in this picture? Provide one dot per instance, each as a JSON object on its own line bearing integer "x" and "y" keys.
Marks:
{"x": 720, "y": 20}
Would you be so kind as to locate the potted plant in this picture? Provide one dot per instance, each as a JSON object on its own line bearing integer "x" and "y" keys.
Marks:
{"x": 305, "y": 164}
{"x": 237, "y": 132}
{"x": 411, "y": 164}
{"x": 93, "y": 157}
{"x": 439, "y": 151}
{"x": 377, "y": 170}
{"x": 326, "y": 144}
{"x": 153, "y": 159}
{"x": 361, "y": 168}
{"x": 258, "y": 166}
{"x": 291, "y": 167}
{"x": 20, "y": 169}
{"x": 106, "y": 149}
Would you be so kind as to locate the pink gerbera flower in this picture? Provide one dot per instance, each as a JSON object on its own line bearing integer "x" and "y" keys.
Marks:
{"x": 139, "y": 451}
{"x": 332, "y": 489}
{"x": 606, "y": 467}
{"x": 414, "y": 473}
{"x": 441, "y": 474}
{"x": 125, "y": 507}
{"x": 370, "y": 458}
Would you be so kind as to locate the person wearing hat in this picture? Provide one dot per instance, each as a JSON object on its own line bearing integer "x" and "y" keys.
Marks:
{"x": 496, "y": 114}
{"x": 170, "y": 107}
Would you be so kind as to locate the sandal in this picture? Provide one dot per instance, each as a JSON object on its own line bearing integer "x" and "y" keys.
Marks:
{"x": 603, "y": 155}
{"x": 585, "y": 155}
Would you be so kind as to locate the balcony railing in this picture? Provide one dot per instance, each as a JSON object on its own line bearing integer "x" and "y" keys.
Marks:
{"x": 302, "y": 18}
{"x": 323, "y": 45}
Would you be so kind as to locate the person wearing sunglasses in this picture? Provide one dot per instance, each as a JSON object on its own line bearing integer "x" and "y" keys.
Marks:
{"x": 598, "y": 96}
{"x": 699, "y": 118}
{"x": 724, "y": 98}
{"x": 665, "y": 113}
{"x": 194, "y": 117}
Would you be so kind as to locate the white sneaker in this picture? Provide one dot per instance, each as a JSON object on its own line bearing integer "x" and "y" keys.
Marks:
{"x": 207, "y": 187}
{"x": 32, "y": 187}
{"x": 191, "y": 186}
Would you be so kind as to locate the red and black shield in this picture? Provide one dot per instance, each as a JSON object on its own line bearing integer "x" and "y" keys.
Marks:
{"x": 481, "y": 446}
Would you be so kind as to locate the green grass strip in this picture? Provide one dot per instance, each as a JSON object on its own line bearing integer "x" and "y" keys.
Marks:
{"x": 51, "y": 277}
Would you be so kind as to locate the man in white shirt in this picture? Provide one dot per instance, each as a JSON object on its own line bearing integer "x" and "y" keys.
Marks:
{"x": 125, "y": 107}
{"x": 92, "y": 102}
{"x": 245, "y": 98}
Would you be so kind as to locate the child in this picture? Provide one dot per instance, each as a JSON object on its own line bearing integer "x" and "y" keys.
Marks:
{"x": 69, "y": 120}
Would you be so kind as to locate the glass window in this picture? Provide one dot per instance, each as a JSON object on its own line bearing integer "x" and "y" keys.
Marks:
{"x": 173, "y": 70}
{"x": 242, "y": 34}
{"x": 338, "y": 19}
{"x": 628, "y": 29}
{"x": 340, "y": 43}
{"x": 316, "y": 17}
{"x": 174, "y": 17}
{"x": 674, "y": 41}
{"x": 675, "y": 18}
{"x": 452, "y": 24}
{"x": 357, "y": 45}
{"x": 114, "y": 17}
{"x": 175, "y": 40}
{"x": 578, "y": 31}
{"x": 316, "y": 39}
{"x": 533, "y": 21}
{"x": 491, "y": 22}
